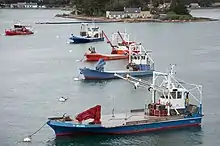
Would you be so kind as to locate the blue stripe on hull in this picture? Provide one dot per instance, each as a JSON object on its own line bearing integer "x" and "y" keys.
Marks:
{"x": 90, "y": 74}
{"x": 61, "y": 128}
{"x": 77, "y": 40}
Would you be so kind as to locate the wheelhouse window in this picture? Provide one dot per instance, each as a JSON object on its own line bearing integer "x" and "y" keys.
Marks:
{"x": 173, "y": 95}
{"x": 179, "y": 95}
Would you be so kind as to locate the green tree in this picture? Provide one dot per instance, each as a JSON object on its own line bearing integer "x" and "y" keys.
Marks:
{"x": 178, "y": 7}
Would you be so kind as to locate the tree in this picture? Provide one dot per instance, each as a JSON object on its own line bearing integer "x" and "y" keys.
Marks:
{"x": 178, "y": 7}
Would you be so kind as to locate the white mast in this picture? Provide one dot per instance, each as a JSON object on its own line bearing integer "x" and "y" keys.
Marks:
{"x": 129, "y": 51}
{"x": 169, "y": 88}
{"x": 153, "y": 86}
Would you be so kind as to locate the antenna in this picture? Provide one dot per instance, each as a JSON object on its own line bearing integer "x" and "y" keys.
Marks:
{"x": 172, "y": 69}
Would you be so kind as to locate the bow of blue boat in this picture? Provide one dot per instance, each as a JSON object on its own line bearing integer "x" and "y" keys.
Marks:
{"x": 87, "y": 34}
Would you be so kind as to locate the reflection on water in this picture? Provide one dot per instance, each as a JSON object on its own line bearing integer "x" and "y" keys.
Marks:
{"x": 180, "y": 137}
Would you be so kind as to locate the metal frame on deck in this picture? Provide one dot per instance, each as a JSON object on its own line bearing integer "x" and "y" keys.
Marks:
{"x": 165, "y": 87}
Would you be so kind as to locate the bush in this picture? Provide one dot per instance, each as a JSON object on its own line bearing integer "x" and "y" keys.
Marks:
{"x": 173, "y": 16}
{"x": 185, "y": 17}
{"x": 171, "y": 13}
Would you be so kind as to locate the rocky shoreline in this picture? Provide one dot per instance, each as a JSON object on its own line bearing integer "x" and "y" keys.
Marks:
{"x": 130, "y": 20}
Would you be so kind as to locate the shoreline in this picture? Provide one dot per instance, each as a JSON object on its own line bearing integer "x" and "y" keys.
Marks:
{"x": 131, "y": 20}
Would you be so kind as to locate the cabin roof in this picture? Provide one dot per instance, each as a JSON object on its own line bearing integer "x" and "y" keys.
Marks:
{"x": 132, "y": 10}
{"x": 116, "y": 13}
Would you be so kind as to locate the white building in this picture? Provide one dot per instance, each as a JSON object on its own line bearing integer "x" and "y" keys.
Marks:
{"x": 127, "y": 13}
{"x": 132, "y": 12}
{"x": 115, "y": 14}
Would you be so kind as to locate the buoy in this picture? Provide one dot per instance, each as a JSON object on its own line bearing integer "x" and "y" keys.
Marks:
{"x": 57, "y": 36}
{"x": 76, "y": 79}
{"x": 70, "y": 51}
{"x": 136, "y": 85}
{"x": 27, "y": 139}
{"x": 62, "y": 99}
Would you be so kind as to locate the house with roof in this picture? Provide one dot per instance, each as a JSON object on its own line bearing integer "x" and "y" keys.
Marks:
{"x": 23, "y": 5}
{"x": 128, "y": 13}
{"x": 132, "y": 12}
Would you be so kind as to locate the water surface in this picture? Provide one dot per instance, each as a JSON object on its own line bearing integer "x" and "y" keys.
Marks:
{"x": 36, "y": 70}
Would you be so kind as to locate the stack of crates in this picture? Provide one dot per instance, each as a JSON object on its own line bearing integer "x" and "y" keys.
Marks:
{"x": 157, "y": 110}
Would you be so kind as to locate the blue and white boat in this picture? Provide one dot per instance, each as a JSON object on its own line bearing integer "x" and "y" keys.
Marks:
{"x": 140, "y": 64}
{"x": 87, "y": 34}
{"x": 172, "y": 106}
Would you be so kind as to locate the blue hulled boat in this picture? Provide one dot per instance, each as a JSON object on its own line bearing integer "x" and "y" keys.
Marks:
{"x": 171, "y": 107}
{"x": 87, "y": 34}
{"x": 140, "y": 64}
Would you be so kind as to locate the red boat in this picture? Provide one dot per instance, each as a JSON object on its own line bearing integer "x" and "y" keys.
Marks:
{"x": 93, "y": 56}
{"x": 18, "y": 30}
{"x": 97, "y": 56}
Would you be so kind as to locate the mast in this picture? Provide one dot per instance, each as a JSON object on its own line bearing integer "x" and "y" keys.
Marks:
{"x": 169, "y": 87}
{"x": 151, "y": 5}
{"x": 153, "y": 86}
{"x": 129, "y": 51}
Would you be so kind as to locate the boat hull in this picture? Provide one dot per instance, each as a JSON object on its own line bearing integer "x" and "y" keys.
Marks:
{"x": 63, "y": 128}
{"x": 12, "y": 32}
{"x": 79, "y": 40}
{"x": 97, "y": 56}
{"x": 91, "y": 74}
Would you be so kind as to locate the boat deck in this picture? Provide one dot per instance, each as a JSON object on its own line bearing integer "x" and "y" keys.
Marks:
{"x": 127, "y": 71}
{"x": 111, "y": 55}
{"x": 134, "y": 119}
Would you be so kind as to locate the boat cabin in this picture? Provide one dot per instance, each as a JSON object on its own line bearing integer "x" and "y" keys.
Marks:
{"x": 19, "y": 26}
{"x": 178, "y": 98}
{"x": 141, "y": 60}
{"x": 92, "y": 50}
{"x": 90, "y": 31}
{"x": 173, "y": 95}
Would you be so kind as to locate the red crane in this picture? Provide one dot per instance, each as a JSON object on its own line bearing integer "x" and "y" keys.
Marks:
{"x": 114, "y": 50}
{"x": 123, "y": 41}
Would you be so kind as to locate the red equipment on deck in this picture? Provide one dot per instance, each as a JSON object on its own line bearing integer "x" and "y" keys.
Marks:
{"x": 156, "y": 109}
{"x": 92, "y": 113}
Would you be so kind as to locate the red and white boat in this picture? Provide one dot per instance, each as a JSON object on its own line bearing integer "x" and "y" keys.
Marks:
{"x": 120, "y": 49}
{"x": 19, "y": 29}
